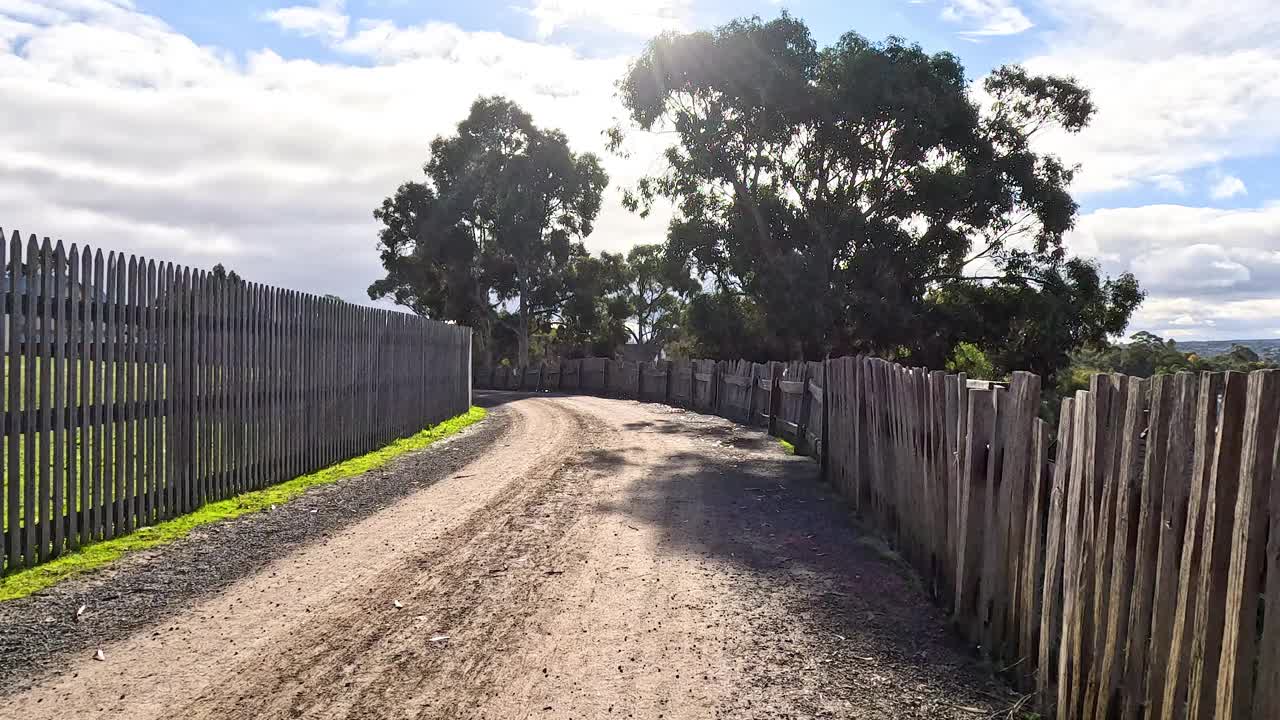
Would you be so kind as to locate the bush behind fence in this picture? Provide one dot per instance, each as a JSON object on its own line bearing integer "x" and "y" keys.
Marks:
{"x": 136, "y": 391}
{"x": 1125, "y": 565}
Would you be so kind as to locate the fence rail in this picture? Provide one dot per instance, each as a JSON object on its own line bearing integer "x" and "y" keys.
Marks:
{"x": 1125, "y": 564}
{"x": 135, "y": 391}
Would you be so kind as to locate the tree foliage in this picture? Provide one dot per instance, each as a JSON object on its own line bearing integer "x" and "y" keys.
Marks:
{"x": 860, "y": 197}
{"x": 653, "y": 291}
{"x": 846, "y": 194}
{"x": 1147, "y": 354}
{"x": 969, "y": 359}
{"x": 499, "y": 220}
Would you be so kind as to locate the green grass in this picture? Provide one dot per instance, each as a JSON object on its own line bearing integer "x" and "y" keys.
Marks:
{"x": 789, "y": 447}
{"x": 24, "y": 582}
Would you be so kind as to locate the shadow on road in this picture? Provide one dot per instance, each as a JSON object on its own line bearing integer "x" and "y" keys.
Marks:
{"x": 790, "y": 541}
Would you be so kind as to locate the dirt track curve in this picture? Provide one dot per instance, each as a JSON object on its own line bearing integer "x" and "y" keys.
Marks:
{"x": 596, "y": 559}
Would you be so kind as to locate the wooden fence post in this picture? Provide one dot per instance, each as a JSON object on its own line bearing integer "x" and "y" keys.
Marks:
{"x": 666, "y": 395}
{"x": 824, "y": 459}
{"x": 802, "y": 422}
{"x": 775, "y": 396}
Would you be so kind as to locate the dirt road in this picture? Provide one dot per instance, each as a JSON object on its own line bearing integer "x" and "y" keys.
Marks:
{"x": 593, "y": 559}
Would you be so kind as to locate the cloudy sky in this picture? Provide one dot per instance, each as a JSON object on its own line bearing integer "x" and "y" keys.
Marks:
{"x": 263, "y": 133}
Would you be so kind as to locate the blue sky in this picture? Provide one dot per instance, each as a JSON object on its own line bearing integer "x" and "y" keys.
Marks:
{"x": 262, "y": 134}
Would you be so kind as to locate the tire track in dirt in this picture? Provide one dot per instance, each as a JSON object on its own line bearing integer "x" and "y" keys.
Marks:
{"x": 204, "y": 651}
{"x": 604, "y": 559}
{"x": 476, "y": 586}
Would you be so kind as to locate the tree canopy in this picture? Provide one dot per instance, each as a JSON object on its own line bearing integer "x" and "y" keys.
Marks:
{"x": 500, "y": 219}
{"x": 849, "y": 193}
{"x": 860, "y": 197}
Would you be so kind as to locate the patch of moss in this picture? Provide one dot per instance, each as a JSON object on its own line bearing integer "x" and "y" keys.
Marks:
{"x": 24, "y": 582}
{"x": 789, "y": 447}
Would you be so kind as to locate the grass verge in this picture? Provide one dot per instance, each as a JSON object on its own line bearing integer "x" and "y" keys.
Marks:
{"x": 24, "y": 582}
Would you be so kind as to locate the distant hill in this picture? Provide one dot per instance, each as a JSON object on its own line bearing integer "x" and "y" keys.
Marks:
{"x": 1268, "y": 349}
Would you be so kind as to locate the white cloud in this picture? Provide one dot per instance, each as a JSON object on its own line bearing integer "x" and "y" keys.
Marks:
{"x": 987, "y": 17}
{"x": 327, "y": 18}
{"x": 1165, "y": 116}
{"x": 1177, "y": 249}
{"x": 1185, "y": 318}
{"x": 1179, "y": 85}
{"x": 121, "y": 132}
{"x": 642, "y": 18}
{"x": 1226, "y": 187}
{"x": 1207, "y": 270}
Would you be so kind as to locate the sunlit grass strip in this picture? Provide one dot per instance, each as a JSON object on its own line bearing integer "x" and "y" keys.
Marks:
{"x": 787, "y": 447}
{"x": 24, "y": 582}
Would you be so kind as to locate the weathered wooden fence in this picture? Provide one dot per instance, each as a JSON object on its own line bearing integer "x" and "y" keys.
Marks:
{"x": 1125, "y": 565}
{"x": 136, "y": 391}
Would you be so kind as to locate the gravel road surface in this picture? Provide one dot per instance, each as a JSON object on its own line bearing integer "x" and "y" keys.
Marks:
{"x": 569, "y": 557}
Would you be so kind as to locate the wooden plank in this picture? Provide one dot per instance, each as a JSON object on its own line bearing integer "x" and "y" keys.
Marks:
{"x": 1095, "y": 540}
{"x": 1075, "y": 557}
{"x": 1128, "y": 480}
{"x": 13, "y": 381}
{"x": 267, "y": 367}
{"x": 167, "y": 368}
{"x": 63, "y": 495}
{"x": 187, "y": 408}
{"x": 293, "y": 428}
{"x": 1248, "y": 547}
{"x": 139, "y": 338}
{"x": 971, "y": 503}
{"x": 873, "y": 393}
{"x": 44, "y": 490}
{"x": 218, "y": 457}
{"x": 1203, "y": 422}
{"x": 153, "y": 424}
{"x": 30, "y": 504}
{"x": 1174, "y": 694}
{"x": 1032, "y": 567}
{"x": 243, "y": 386}
{"x": 99, "y": 508}
{"x": 126, "y": 372}
{"x": 77, "y": 431}
{"x": 230, "y": 360}
{"x": 1210, "y": 612}
{"x": 176, "y": 353}
{"x": 791, "y": 387}
{"x": 1178, "y": 469}
{"x": 1024, "y": 396}
{"x": 774, "y": 396}
{"x": 1051, "y": 620}
{"x": 957, "y": 430}
{"x": 993, "y": 586}
{"x": 249, "y": 389}
{"x": 119, "y": 362}
{"x": 1266, "y": 702}
{"x": 199, "y": 389}
{"x": 1100, "y": 520}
